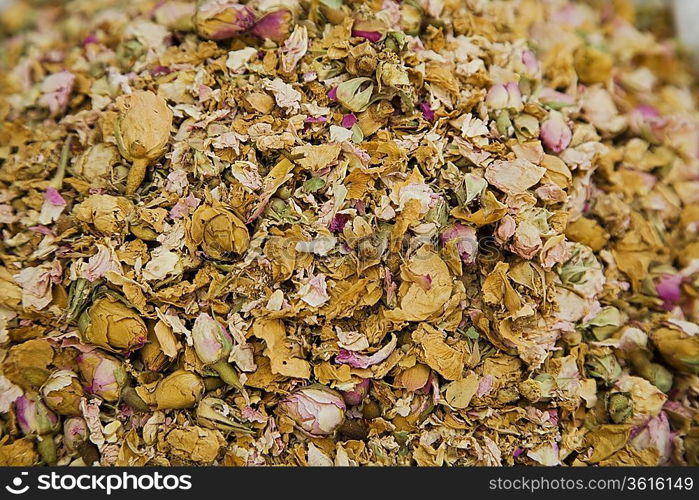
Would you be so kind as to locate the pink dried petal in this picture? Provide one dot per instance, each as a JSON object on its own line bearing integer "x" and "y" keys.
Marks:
{"x": 372, "y": 36}
{"x": 349, "y": 120}
{"x": 56, "y": 90}
{"x": 275, "y": 25}
{"x": 183, "y": 206}
{"x": 427, "y": 112}
{"x": 668, "y": 288}
{"x": 356, "y": 360}
{"x": 337, "y": 225}
{"x": 315, "y": 119}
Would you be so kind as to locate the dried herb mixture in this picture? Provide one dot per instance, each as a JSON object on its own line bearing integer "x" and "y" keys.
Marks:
{"x": 327, "y": 232}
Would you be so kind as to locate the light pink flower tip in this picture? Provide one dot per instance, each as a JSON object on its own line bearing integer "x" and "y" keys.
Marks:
{"x": 54, "y": 197}
{"x": 496, "y": 97}
{"x": 501, "y": 96}
{"x": 530, "y": 62}
{"x": 466, "y": 241}
{"x": 357, "y": 394}
{"x": 555, "y": 134}
{"x": 668, "y": 289}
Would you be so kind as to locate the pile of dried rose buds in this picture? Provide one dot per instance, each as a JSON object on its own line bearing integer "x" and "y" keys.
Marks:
{"x": 347, "y": 232}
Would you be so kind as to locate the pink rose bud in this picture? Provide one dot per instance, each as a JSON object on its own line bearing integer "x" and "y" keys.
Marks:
{"x": 349, "y": 120}
{"x": 502, "y": 96}
{"x": 105, "y": 376}
{"x": 75, "y": 433}
{"x": 34, "y": 418}
{"x": 356, "y": 395}
{"x": 275, "y": 25}
{"x": 555, "y": 133}
{"x": 464, "y": 237}
{"x": 514, "y": 95}
{"x": 213, "y": 344}
{"x": 316, "y": 409}
{"x": 668, "y": 288}
{"x": 222, "y": 19}
{"x": 211, "y": 340}
{"x": 496, "y": 98}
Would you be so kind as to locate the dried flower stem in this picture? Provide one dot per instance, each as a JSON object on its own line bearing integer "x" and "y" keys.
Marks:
{"x": 57, "y": 180}
{"x": 137, "y": 173}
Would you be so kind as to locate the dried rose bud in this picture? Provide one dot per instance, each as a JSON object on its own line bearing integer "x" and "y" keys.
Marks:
{"x": 110, "y": 324}
{"x": 605, "y": 368}
{"x": 362, "y": 60}
{"x": 142, "y": 132}
{"x": 274, "y": 25}
{"x": 619, "y": 406}
{"x": 504, "y": 96}
{"x": 464, "y": 239}
{"x": 357, "y": 394}
{"x": 351, "y": 96}
{"x": 180, "y": 389}
{"x": 316, "y": 409}
{"x": 62, "y": 392}
{"x": 75, "y": 433}
{"x": 678, "y": 347}
{"x": 222, "y": 19}
{"x": 104, "y": 375}
{"x": 215, "y": 413}
{"x": 96, "y": 164}
{"x": 555, "y": 133}
{"x": 218, "y": 231}
{"x": 410, "y": 18}
{"x": 35, "y": 419}
{"x": 333, "y": 10}
{"x": 657, "y": 375}
{"x": 213, "y": 344}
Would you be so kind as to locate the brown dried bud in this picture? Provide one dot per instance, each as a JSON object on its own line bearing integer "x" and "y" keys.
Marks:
{"x": 113, "y": 326}
{"x": 181, "y": 389}
{"x": 62, "y": 392}
{"x": 142, "y": 132}
{"x": 362, "y": 60}
{"x": 218, "y": 231}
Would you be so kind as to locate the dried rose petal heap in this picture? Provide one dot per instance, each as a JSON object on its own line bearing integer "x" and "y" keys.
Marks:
{"x": 347, "y": 233}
